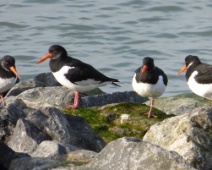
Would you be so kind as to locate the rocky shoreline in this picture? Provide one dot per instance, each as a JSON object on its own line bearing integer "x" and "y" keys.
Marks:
{"x": 36, "y": 132}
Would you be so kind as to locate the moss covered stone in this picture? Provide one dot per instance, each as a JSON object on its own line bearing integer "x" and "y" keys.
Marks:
{"x": 107, "y": 120}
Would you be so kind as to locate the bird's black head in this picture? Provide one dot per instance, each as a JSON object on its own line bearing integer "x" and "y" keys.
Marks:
{"x": 192, "y": 59}
{"x": 190, "y": 63}
{"x": 149, "y": 62}
{"x": 8, "y": 64}
{"x": 8, "y": 61}
{"x": 57, "y": 51}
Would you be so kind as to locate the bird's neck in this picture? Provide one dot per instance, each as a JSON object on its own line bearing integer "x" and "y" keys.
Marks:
{"x": 191, "y": 69}
{"x": 55, "y": 64}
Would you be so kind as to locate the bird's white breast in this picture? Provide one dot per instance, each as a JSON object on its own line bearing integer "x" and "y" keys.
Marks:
{"x": 149, "y": 90}
{"x": 6, "y": 84}
{"x": 204, "y": 90}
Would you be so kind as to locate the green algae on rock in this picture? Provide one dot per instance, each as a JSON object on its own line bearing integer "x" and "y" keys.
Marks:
{"x": 107, "y": 120}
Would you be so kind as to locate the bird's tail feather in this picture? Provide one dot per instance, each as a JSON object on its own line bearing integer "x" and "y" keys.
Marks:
{"x": 116, "y": 84}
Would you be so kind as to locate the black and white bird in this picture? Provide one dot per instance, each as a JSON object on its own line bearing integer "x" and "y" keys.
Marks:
{"x": 8, "y": 75}
{"x": 198, "y": 76}
{"x": 149, "y": 81}
{"x": 74, "y": 74}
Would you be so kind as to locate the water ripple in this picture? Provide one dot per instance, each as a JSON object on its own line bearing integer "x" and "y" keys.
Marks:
{"x": 166, "y": 9}
{"x": 113, "y": 36}
{"x": 12, "y": 25}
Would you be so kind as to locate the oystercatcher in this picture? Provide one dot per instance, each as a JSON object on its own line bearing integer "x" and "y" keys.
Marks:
{"x": 8, "y": 75}
{"x": 73, "y": 73}
{"x": 149, "y": 81}
{"x": 198, "y": 76}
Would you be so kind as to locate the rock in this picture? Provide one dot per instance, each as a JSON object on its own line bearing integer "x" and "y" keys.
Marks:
{"x": 117, "y": 97}
{"x": 86, "y": 138}
{"x": 45, "y": 80}
{"x": 41, "y": 80}
{"x": 52, "y": 148}
{"x": 51, "y": 124}
{"x": 108, "y": 119}
{"x": 189, "y": 134}
{"x": 26, "y": 136}
{"x": 55, "y": 149}
{"x": 62, "y": 162}
{"x": 21, "y": 87}
{"x": 7, "y": 155}
{"x": 132, "y": 153}
{"x": 8, "y": 118}
{"x": 37, "y": 164}
{"x": 61, "y": 96}
{"x": 179, "y": 104}
{"x": 44, "y": 96}
{"x": 83, "y": 156}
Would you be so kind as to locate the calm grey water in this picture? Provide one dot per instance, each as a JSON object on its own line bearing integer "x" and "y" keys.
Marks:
{"x": 113, "y": 36}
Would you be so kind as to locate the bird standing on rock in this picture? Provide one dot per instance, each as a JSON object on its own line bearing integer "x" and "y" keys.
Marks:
{"x": 74, "y": 74}
{"x": 198, "y": 76}
{"x": 8, "y": 75}
{"x": 149, "y": 81}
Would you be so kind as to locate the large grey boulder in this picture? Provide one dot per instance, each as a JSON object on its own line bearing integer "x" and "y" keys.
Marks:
{"x": 122, "y": 154}
{"x": 7, "y": 155}
{"x": 45, "y": 80}
{"x": 41, "y": 80}
{"x": 131, "y": 153}
{"x": 51, "y": 124}
{"x": 189, "y": 134}
{"x": 117, "y": 97}
{"x": 37, "y": 164}
{"x": 60, "y": 96}
{"x": 179, "y": 104}
{"x": 51, "y": 148}
{"x": 70, "y": 161}
{"x": 8, "y": 118}
{"x": 26, "y": 136}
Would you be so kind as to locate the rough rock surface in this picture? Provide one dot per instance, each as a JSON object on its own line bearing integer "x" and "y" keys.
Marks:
{"x": 8, "y": 119}
{"x": 60, "y": 96}
{"x": 123, "y": 154}
{"x": 36, "y": 164}
{"x": 64, "y": 162}
{"x": 41, "y": 80}
{"x": 51, "y": 148}
{"x": 131, "y": 153}
{"x": 7, "y": 155}
{"x": 190, "y": 135}
{"x": 180, "y": 104}
{"x": 51, "y": 124}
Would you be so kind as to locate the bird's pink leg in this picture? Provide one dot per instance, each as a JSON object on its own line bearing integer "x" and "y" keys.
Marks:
{"x": 76, "y": 101}
{"x": 150, "y": 114}
{"x": 2, "y": 100}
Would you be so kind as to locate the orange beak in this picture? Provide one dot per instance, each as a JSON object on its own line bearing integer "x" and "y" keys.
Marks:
{"x": 144, "y": 68}
{"x": 184, "y": 68}
{"x": 44, "y": 58}
{"x": 12, "y": 68}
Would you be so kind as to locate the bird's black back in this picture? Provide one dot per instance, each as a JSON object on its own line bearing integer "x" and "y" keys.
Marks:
{"x": 150, "y": 76}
